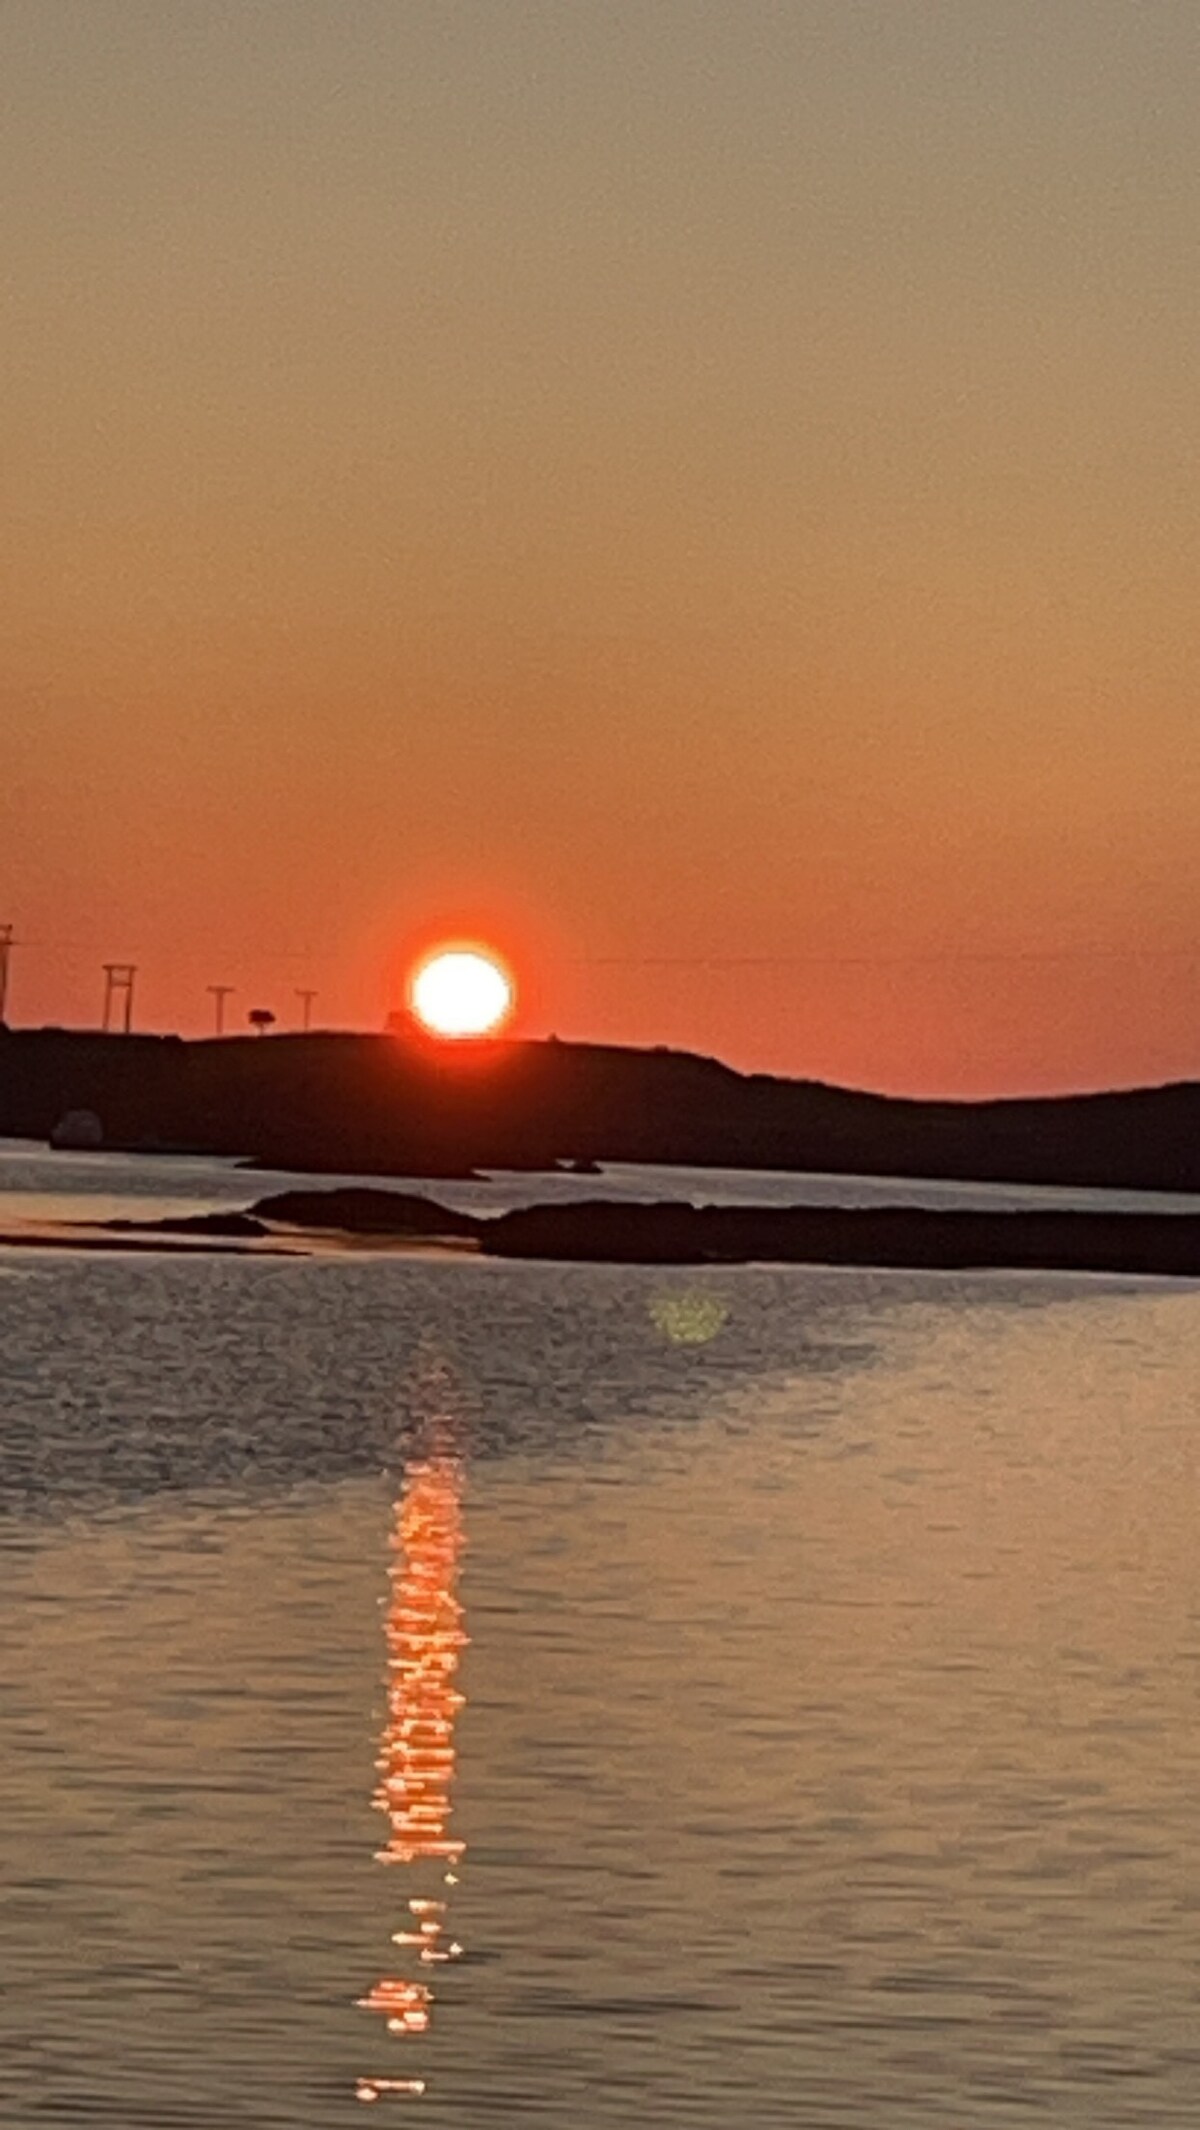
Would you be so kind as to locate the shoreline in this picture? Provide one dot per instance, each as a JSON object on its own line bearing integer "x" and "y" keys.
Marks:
{"x": 67, "y": 1237}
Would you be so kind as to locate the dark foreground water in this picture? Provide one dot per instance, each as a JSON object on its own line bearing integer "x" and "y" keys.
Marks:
{"x": 509, "y": 1694}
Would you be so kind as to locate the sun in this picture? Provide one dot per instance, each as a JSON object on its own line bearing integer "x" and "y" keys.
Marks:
{"x": 461, "y": 991}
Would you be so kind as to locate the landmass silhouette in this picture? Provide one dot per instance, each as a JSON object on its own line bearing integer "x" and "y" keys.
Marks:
{"x": 384, "y": 1106}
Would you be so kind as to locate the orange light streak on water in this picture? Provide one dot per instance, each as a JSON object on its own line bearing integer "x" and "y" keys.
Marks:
{"x": 416, "y": 1761}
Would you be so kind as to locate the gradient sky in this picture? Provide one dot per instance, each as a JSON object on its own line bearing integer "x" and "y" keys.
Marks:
{"x": 703, "y": 491}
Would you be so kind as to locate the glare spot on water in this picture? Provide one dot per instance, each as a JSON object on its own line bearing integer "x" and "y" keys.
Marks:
{"x": 690, "y": 1317}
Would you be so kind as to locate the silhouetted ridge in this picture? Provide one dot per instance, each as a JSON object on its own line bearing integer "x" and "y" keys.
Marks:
{"x": 385, "y": 1106}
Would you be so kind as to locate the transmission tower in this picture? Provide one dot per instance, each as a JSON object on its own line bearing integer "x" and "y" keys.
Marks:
{"x": 219, "y": 993}
{"x": 7, "y": 943}
{"x": 306, "y": 1005}
{"x": 118, "y": 984}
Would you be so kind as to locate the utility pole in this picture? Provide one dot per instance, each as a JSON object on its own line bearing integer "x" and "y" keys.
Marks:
{"x": 219, "y": 993}
{"x": 7, "y": 944}
{"x": 306, "y": 999}
{"x": 118, "y": 983}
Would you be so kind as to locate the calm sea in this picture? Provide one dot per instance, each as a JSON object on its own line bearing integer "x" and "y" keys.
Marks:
{"x": 516, "y": 1694}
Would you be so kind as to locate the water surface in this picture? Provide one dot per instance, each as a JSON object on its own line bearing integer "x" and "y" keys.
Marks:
{"x": 37, "y": 1184}
{"x": 767, "y": 1694}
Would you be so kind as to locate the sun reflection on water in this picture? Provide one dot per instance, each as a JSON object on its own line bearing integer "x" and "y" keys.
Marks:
{"x": 417, "y": 1755}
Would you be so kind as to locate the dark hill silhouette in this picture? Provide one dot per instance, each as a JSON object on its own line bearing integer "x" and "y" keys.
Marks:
{"x": 385, "y": 1106}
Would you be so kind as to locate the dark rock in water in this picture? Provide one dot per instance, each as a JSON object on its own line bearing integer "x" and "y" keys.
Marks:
{"x": 605, "y": 1230}
{"x": 240, "y": 1227}
{"x": 360, "y": 1211}
{"x": 78, "y": 1131}
{"x": 666, "y": 1232}
{"x": 232, "y": 1224}
{"x": 614, "y": 1231}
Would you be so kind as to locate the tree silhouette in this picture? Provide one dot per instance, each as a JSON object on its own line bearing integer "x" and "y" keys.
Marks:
{"x": 262, "y": 1018}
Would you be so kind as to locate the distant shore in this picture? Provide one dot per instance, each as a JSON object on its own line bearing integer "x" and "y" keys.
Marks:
{"x": 384, "y": 1106}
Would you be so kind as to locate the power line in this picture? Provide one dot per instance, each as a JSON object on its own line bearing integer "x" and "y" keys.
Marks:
{"x": 227, "y": 953}
{"x": 983, "y": 956}
{"x": 814, "y": 959}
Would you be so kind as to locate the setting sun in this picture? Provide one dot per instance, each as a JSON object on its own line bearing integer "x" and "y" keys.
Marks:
{"x": 461, "y": 992}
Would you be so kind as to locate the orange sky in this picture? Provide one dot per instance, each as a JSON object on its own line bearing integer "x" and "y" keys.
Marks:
{"x": 703, "y": 492}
